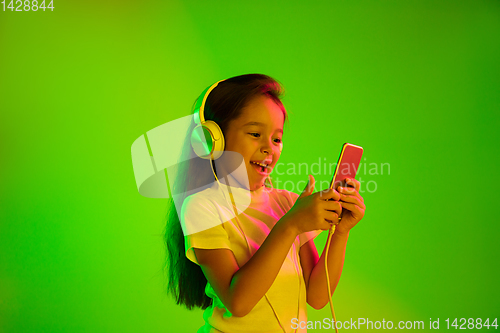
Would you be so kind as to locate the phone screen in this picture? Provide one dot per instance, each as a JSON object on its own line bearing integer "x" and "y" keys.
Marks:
{"x": 347, "y": 164}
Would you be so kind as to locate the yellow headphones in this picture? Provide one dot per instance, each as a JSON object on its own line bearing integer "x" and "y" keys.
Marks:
{"x": 207, "y": 138}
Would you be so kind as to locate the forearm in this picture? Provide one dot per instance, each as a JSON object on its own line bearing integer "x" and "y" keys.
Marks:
{"x": 250, "y": 283}
{"x": 317, "y": 291}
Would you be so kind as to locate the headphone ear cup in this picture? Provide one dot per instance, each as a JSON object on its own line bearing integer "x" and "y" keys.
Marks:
{"x": 207, "y": 140}
{"x": 218, "y": 143}
{"x": 201, "y": 141}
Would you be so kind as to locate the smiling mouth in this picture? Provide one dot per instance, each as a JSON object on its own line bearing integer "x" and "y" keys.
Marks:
{"x": 261, "y": 168}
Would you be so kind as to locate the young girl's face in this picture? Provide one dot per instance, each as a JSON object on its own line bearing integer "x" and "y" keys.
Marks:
{"x": 257, "y": 136}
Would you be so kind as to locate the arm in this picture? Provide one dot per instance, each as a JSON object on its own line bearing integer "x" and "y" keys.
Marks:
{"x": 314, "y": 269}
{"x": 241, "y": 288}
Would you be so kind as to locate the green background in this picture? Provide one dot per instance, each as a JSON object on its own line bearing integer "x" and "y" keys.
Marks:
{"x": 416, "y": 83}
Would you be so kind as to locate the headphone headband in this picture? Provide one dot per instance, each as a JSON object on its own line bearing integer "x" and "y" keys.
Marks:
{"x": 199, "y": 107}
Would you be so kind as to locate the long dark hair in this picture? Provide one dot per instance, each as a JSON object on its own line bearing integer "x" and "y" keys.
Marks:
{"x": 185, "y": 280}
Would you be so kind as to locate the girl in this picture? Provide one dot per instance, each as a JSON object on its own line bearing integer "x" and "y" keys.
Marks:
{"x": 256, "y": 271}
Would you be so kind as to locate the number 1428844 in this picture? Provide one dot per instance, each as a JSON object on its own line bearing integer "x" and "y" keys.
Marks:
{"x": 27, "y": 5}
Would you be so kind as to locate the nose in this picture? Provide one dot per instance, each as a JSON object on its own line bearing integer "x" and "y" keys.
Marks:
{"x": 267, "y": 148}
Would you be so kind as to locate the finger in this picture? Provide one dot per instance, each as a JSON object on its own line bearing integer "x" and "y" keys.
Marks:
{"x": 333, "y": 206}
{"x": 355, "y": 199}
{"x": 333, "y": 217}
{"x": 331, "y": 224}
{"x": 327, "y": 225}
{"x": 350, "y": 191}
{"x": 334, "y": 220}
{"x": 328, "y": 194}
{"x": 353, "y": 207}
{"x": 353, "y": 182}
{"x": 347, "y": 190}
{"x": 308, "y": 190}
{"x": 312, "y": 182}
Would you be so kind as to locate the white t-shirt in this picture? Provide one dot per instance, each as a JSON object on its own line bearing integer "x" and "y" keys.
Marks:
{"x": 206, "y": 211}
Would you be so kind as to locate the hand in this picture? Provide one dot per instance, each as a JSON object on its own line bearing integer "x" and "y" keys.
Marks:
{"x": 318, "y": 211}
{"x": 353, "y": 206}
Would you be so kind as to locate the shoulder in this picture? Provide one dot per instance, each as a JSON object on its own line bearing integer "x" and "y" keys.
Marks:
{"x": 198, "y": 201}
{"x": 199, "y": 212}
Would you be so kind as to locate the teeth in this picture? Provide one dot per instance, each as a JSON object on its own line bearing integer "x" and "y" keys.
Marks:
{"x": 262, "y": 165}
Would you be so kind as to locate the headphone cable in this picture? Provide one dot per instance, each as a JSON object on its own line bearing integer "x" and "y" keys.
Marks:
{"x": 327, "y": 248}
{"x": 244, "y": 236}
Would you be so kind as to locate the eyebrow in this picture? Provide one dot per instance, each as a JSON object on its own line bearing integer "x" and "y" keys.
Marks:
{"x": 256, "y": 123}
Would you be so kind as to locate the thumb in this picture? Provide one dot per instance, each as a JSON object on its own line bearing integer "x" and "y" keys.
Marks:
{"x": 309, "y": 188}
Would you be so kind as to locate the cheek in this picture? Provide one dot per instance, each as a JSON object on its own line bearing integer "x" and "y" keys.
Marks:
{"x": 277, "y": 155}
